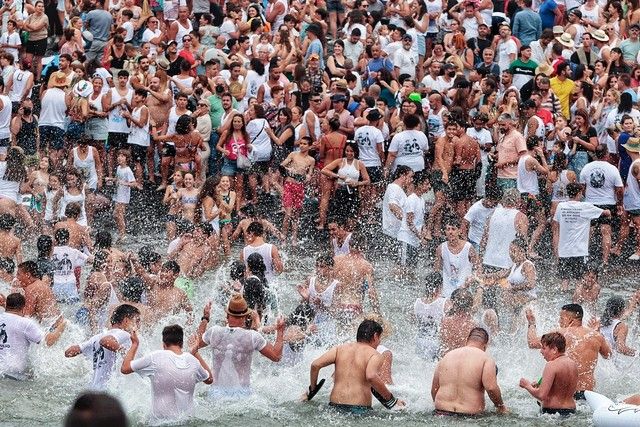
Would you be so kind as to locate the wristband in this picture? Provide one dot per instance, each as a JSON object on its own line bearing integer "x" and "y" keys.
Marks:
{"x": 205, "y": 318}
{"x": 387, "y": 403}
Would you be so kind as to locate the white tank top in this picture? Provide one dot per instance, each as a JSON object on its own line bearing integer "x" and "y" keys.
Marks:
{"x": 5, "y": 117}
{"x": 350, "y": 172}
{"x": 540, "y": 131}
{"x": 517, "y": 278}
{"x": 631, "y": 199}
{"x": 429, "y": 316}
{"x": 68, "y": 198}
{"x": 455, "y": 268}
{"x": 607, "y": 332}
{"x": 277, "y": 23}
{"x": 502, "y": 231}
{"x": 86, "y": 167}
{"x": 325, "y": 297}
{"x": 264, "y": 250}
{"x": 54, "y": 108}
{"x": 342, "y": 249}
{"x": 117, "y": 123}
{"x": 48, "y": 209}
{"x": 266, "y": 96}
{"x": 560, "y": 188}
{"x": 139, "y": 135}
{"x": 316, "y": 127}
{"x": 182, "y": 31}
{"x": 8, "y": 189}
{"x": 20, "y": 79}
{"x": 173, "y": 119}
{"x": 527, "y": 180}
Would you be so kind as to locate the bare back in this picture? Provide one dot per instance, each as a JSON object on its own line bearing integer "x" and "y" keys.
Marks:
{"x": 454, "y": 331}
{"x": 583, "y": 346}
{"x": 351, "y": 386}
{"x": 563, "y": 371}
{"x": 351, "y": 272}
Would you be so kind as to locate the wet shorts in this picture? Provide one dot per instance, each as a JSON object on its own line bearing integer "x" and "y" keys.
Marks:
{"x": 561, "y": 412}
{"x": 293, "y": 195}
{"x": 52, "y": 137}
{"x": 571, "y": 267}
{"x": 375, "y": 174}
{"x": 437, "y": 183}
{"x": 351, "y": 409}
{"x": 118, "y": 140}
{"x": 463, "y": 184}
{"x": 186, "y": 285}
{"x": 443, "y": 413}
{"x": 138, "y": 153}
{"x": 229, "y": 167}
{"x": 605, "y": 220}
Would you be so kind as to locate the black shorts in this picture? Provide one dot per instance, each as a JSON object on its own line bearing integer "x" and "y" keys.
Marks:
{"x": 531, "y": 204}
{"x": 437, "y": 183}
{"x": 463, "y": 184}
{"x": 52, "y": 137}
{"x": 118, "y": 141}
{"x": 572, "y": 267}
{"x": 168, "y": 150}
{"x": 335, "y": 6}
{"x": 259, "y": 168}
{"x": 375, "y": 174}
{"x": 561, "y": 412}
{"x": 605, "y": 220}
{"x": 138, "y": 153}
{"x": 37, "y": 48}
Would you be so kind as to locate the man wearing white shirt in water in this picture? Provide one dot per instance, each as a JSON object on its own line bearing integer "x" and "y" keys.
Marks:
{"x": 571, "y": 226}
{"x": 411, "y": 234}
{"x": 393, "y": 204}
{"x": 173, "y": 373}
{"x": 16, "y": 335}
{"x": 604, "y": 189}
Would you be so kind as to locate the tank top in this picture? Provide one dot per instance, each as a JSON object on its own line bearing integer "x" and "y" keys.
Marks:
{"x": 8, "y": 189}
{"x": 104, "y": 310}
{"x": 279, "y": 20}
{"x": 96, "y": 105}
{"x": 20, "y": 79}
{"x": 517, "y": 278}
{"x": 173, "y": 119}
{"x": 455, "y": 268}
{"x": 87, "y": 167}
{"x": 265, "y": 251}
{"x": 117, "y": 123}
{"x": 325, "y": 297}
{"x": 607, "y": 332}
{"x": 117, "y": 62}
{"x": 5, "y": 117}
{"x": 69, "y": 198}
{"x": 48, "y": 208}
{"x": 316, "y": 127}
{"x": 139, "y": 135}
{"x": 502, "y": 231}
{"x": 349, "y": 171}
{"x": 631, "y": 198}
{"x": 26, "y": 137}
{"x": 429, "y": 316}
{"x": 182, "y": 31}
{"x": 527, "y": 180}
{"x": 54, "y": 108}
{"x": 342, "y": 249}
{"x": 540, "y": 131}
{"x": 559, "y": 188}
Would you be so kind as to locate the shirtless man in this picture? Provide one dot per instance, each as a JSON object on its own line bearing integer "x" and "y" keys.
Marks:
{"x": 251, "y": 216}
{"x": 355, "y": 275}
{"x": 463, "y": 177}
{"x": 41, "y": 302}
{"x": 195, "y": 255}
{"x": 140, "y": 78}
{"x": 440, "y": 174}
{"x": 78, "y": 234}
{"x": 159, "y": 103}
{"x": 299, "y": 166}
{"x": 458, "y": 322}
{"x": 462, "y": 377}
{"x": 356, "y": 373}
{"x": 559, "y": 377}
{"x": 583, "y": 344}
{"x": 10, "y": 245}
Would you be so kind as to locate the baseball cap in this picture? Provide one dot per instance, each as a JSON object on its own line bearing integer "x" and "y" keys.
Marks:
{"x": 374, "y": 114}
{"x": 338, "y": 97}
{"x": 407, "y": 37}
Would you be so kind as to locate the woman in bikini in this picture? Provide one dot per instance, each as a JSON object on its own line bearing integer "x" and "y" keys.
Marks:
{"x": 234, "y": 142}
{"x": 330, "y": 146}
{"x": 73, "y": 191}
{"x": 206, "y": 208}
{"x": 187, "y": 141}
{"x": 226, "y": 199}
{"x": 188, "y": 197}
{"x": 171, "y": 199}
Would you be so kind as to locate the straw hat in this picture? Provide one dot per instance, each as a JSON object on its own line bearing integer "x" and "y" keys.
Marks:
{"x": 58, "y": 79}
{"x": 237, "y": 306}
{"x": 600, "y": 36}
{"x": 163, "y": 63}
{"x": 633, "y": 145}
{"x": 82, "y": 89}
{"x": 558, "y": 29}
{"x": 545, "y": 69}
{"x": 566, "y": 40}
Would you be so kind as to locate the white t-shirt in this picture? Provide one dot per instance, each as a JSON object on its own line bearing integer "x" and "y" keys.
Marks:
{"x": 504, "y": 50}
{"x": 148, "y": 35}
{"x": 409, "y": 146}
{"x": 129, "y": 27}
{"x": 259, "y": 139}
{"x": 368, "y": 138}
{"x": 104, "y": 360}
{"x": 16, "y": 335}
{"x": 232, "y": 350}
{"x": 406, "y": 61}
{"x": 12, "y": 39}
{"x": 66, "y": 259}
{"x": 477, "y": 216}
{"x": 574, "y": 220}
{"x": 414, "y": 204}
{"x": 390, "y": 223}
{"x": 173, "y": 380}
{"x": 123, "y": 192}
{"x": 601, "y": 179}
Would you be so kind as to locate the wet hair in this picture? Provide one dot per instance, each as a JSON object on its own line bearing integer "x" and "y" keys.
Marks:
{"x": 96, "y": 410}
{"x": 614, "y": 307}
{"x": 61, "y": 236}
{"x": 402, "y": 170}
{"x": 182, "y": 125}
{"x": 73, "y": 210}
{"x": 411, "y": 121}
{"x": 554, "y": 340}
{"x": 256, "y": 228}
{"x": 334, "y": 123}
{"x": 256, "y": 265}
{"x": 7, "y": 221}
{"x": 367, "y": 330}
{"x": 15, "y": 301}
{"x": 358, "y": 242}
{"x": 575, "y": 309}
{"x": 532, "y": 142}
{"x": 462, "y": 301}
{"x": 573, "y": 189}
{"x": 453, "y": 221}
{"x": 601, "y": 151}
{"x": 148, "y": 256}
{"x": 122, "y": 312}
{"x": 103, "y": 240}
{"x": 520, "y": 243}
{"x": 100, "y": 259}
{"x": 433, "y": 282}
{"x": 354, "y": 147}
{"x": 325, "y": 260}
{"x": 132, "y": 289}
{"x": 479, "y": 335}
{"x": 208, "y": 189}
{"x": 173, "y": 335}
{"x": 7, "y": 265}
{"x": 237, "y": 270}
{"x": 172, "y": 266}
{"x": 29, "y": 267}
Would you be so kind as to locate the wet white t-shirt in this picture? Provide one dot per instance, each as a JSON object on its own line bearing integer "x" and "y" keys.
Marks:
{"x": 16, "y": 335}
{"x": 415, "y": 205}
{"x": 368, "y": 138}
{"x": 574, "y": 220}
{"x": 477, "y": 216}
{"x": 232, "y": 350}
{"x": 409, "y": 146}
{"x": 390, "y": 223}
{"x": 104, "y": 360}
{"x": 173, "y": 380}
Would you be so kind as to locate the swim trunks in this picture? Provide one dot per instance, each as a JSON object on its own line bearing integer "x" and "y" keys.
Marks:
{"x": 561, "y": 412}
{"x": 463, "y": 184}
{"x": 293, "y": 195}
{"x": 186, "y": 285}
{"x": 351, "y": 409}
{"x": 579, "y": 395}
{"x": 441, "y": 412}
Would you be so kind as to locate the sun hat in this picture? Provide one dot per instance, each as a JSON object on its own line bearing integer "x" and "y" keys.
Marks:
{"x": 58, "y": 79}
{"x": 566, "y": 40}
{"x": 600, "y": 35}
{"x": 237, "y": 306}
{"x": 558, "y": 29}
{"x": 82, "y": 89}
{"x": 633, "y": 145}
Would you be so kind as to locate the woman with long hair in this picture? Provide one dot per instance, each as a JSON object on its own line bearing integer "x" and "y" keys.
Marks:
{"x": 188, "y": 197}
{"x": 13, "y": 174}
{"x": 335, "y": 62}
{"x": 613, "y": 327}
{"x": 582, "y": 95}
{"x": 283, "y": 140}
{"x": 584, "y": 140}
{"x": 226, "y": 201}
{"x": 73, "y": 191}
{"x": 233, "y": 143}
{"x": 171, "y": 199}
{"x": 559, "y": 176}
{"x": 331, "y": 148}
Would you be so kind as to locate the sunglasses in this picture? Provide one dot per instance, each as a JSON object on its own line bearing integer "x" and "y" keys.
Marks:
{"x": 316, "y": 100}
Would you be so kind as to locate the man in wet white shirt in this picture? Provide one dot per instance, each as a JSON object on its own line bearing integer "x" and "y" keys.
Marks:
{"x": 173, "y": 373}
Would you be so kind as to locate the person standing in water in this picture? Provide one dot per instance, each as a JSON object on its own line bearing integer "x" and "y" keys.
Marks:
{"x": 462, "y": 377}
{"x": 559, "y": 378}
{"x": 356, "y": 377}
{"x": 269, "y": 252}
{"x": 173, "y": 373}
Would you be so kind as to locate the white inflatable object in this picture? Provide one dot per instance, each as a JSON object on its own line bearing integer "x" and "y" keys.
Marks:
{"x": 607, "y": 413}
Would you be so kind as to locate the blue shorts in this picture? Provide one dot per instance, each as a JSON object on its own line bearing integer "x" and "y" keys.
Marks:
{"x": 422, "y": 45}
{"x": 229, "y": 167}
{"x": 75, "y": 131}
{"x": 52, "y": 137}
{"x": 335, "y": 6}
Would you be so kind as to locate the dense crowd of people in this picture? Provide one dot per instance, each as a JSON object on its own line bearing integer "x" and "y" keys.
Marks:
{"x": 476, "y": 140}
